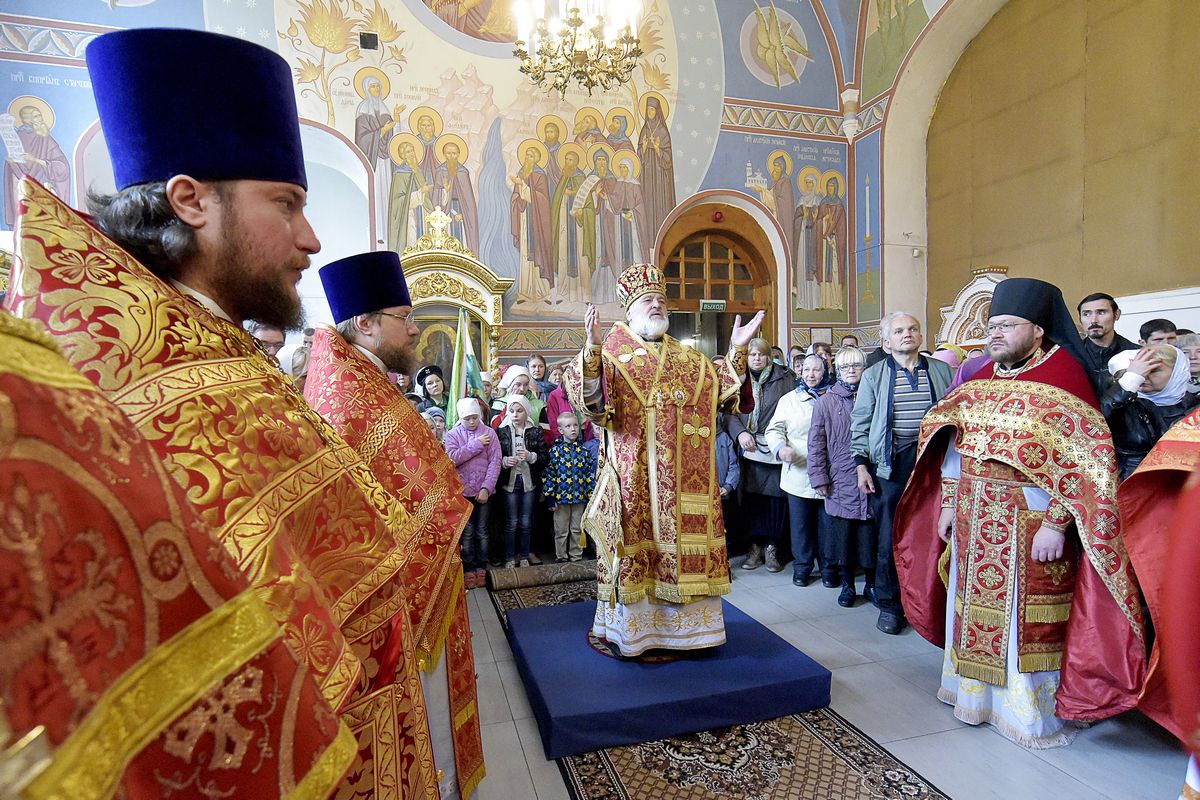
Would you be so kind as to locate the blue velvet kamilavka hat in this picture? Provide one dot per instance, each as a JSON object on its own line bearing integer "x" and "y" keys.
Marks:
{"x": 186, "y": 102}
{"x": 364, "y": 283}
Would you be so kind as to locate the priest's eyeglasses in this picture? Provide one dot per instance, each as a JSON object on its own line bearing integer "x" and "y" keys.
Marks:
{"x": 1004, "y": 327}
{"x": 408, "y": 319}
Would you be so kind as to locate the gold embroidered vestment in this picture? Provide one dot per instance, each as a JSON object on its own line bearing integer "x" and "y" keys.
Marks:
{"x": 656, "y": 509}
{"x": 300, "y": 513}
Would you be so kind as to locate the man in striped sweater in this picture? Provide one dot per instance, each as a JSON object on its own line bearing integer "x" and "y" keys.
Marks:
{"x": 894, "y": 396}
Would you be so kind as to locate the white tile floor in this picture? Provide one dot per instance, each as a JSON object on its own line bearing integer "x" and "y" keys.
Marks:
{"x": 883, "y": 684}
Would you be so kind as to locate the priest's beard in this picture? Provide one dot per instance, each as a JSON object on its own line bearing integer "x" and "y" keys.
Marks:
{"x": 649, "y": 329}
{"x": 397, "y": 358}
{"x": 250, "y": 284}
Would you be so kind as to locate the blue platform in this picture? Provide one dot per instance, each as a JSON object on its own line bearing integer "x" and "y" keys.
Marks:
{"x": 584, "y": 700}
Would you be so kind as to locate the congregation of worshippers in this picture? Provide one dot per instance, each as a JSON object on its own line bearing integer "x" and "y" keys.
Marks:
{"x": 268, "y": 544}
{"x": 812, "y": 501}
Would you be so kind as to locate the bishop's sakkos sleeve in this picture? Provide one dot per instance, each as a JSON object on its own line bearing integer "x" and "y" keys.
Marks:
{"x": 589, "y": 379}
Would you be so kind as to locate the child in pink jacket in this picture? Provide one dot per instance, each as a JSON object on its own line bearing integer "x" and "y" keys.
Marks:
{"x": 475, "y": 451}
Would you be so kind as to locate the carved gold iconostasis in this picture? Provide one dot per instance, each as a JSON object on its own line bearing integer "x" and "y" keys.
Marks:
{"x": 444, "y": 278}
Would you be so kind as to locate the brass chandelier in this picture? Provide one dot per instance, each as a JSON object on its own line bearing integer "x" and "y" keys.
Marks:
{"x": 589, "y": 43}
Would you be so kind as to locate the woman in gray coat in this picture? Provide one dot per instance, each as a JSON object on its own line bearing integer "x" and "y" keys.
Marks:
{"x": 763, "y": 503}
{"x": 834, "y": 475}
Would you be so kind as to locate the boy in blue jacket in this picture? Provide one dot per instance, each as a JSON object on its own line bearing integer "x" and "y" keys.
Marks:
{"x": 568, "y": 481}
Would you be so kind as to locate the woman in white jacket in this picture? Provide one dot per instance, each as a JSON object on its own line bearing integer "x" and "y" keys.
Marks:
{"x": 787, "y": 437}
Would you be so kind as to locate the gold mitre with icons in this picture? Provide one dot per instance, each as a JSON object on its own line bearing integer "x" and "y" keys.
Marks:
{"x": 637, "y": 280}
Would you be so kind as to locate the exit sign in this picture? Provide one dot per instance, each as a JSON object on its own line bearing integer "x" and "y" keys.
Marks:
{"x": 712, "y": 305}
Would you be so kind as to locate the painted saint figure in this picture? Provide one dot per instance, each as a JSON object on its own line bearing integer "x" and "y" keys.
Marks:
{"x": 408, "y": 195}
{"x": 658, "y": 162}
{"x": 574, "y": 233}
{"x": 594, "y": 197}
{"x": 807, "y": 291}
{"x": 587, "y": 127}
{"x": 374, "y": 125}
{"x": 530, "y": 213}
{"x": 452, "y": 190}
{"x": 550, "y": 129}
{"x": 426, "y": 123}
{"x": 831, "y": 228}
{"x": 42, "y": 159}
{"x": 633, "y": 241}
{"x": 618, "y": 124}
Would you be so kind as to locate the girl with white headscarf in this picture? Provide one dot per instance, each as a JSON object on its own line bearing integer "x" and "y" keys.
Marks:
{"x": 1148, "y": 397}
{"x": 523, "y": 456}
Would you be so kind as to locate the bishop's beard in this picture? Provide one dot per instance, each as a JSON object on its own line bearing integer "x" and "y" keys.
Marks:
{"x": 649, "y": 329}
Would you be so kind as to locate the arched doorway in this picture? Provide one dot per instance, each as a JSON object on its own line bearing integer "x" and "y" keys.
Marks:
{"x": 722, "y": 247}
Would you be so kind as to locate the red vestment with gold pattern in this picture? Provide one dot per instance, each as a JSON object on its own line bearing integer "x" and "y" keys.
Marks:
{"x": 303, "y": 517}
{"x": 1149, "y": 499}
{"x": 125, "y": 629}
{"x": 386, "y": 429}
{"x": 1079, "y": 614}
{"x": 656, "y": 509}
{"x": 1177, "y": 632}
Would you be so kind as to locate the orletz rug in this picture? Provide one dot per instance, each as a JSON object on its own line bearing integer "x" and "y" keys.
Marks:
{"x": 812, "y": 756}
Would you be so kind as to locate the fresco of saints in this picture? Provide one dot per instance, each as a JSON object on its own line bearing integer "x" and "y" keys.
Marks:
{"x": 594, "y": 198}
{"x": 453, "y": 191}
{"x": 618, "y": 123}
{"x": 408, "y": 197}
{"x": 427, "y": 125}
{"x": 550, "y": 129}
{"x": 831, "y": 227}
{"x": 587, "y": 127}
{"x": 42, "y": 159}
{"x": 633, "y": 241}
{"x": 807, "y": 291}
{"x": 374, "y": 124}
{"x": 658, "y": 162}
{"x": 574, "y": 231}
{"x": 530, "y": 211}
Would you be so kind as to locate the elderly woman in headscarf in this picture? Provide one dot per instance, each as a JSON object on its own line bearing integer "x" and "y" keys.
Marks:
{"x": 787, "y": 436}
{"x": 763, "y": 502}
{"x": 834, "y": 475}
{"x": 1148, "y": 397}
{"x": 293, "y": 362}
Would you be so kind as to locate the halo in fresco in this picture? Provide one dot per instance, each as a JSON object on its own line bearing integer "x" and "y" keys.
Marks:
{"x": 406, "y": 138}
{"x": 360, "y": 81}
{"x": 543, "y": 153}
{"x": 774, "y": 47}
{"x": 451, "y": 138}
{"x": 28, "y": 100}
{"x": 414, "y": 119}
{"x": 809, "y": 174}
{"x": 635, "y": 163}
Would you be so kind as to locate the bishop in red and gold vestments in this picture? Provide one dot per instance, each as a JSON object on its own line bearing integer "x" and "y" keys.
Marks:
{"x": 206, "y": 231}
{"x": 1036, "y": 604}
{"x": 655, "y": 515}
{"x": 348, "y": 385}
{"x": 1150, "y": 501}
{"x": 126, "y": 632}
